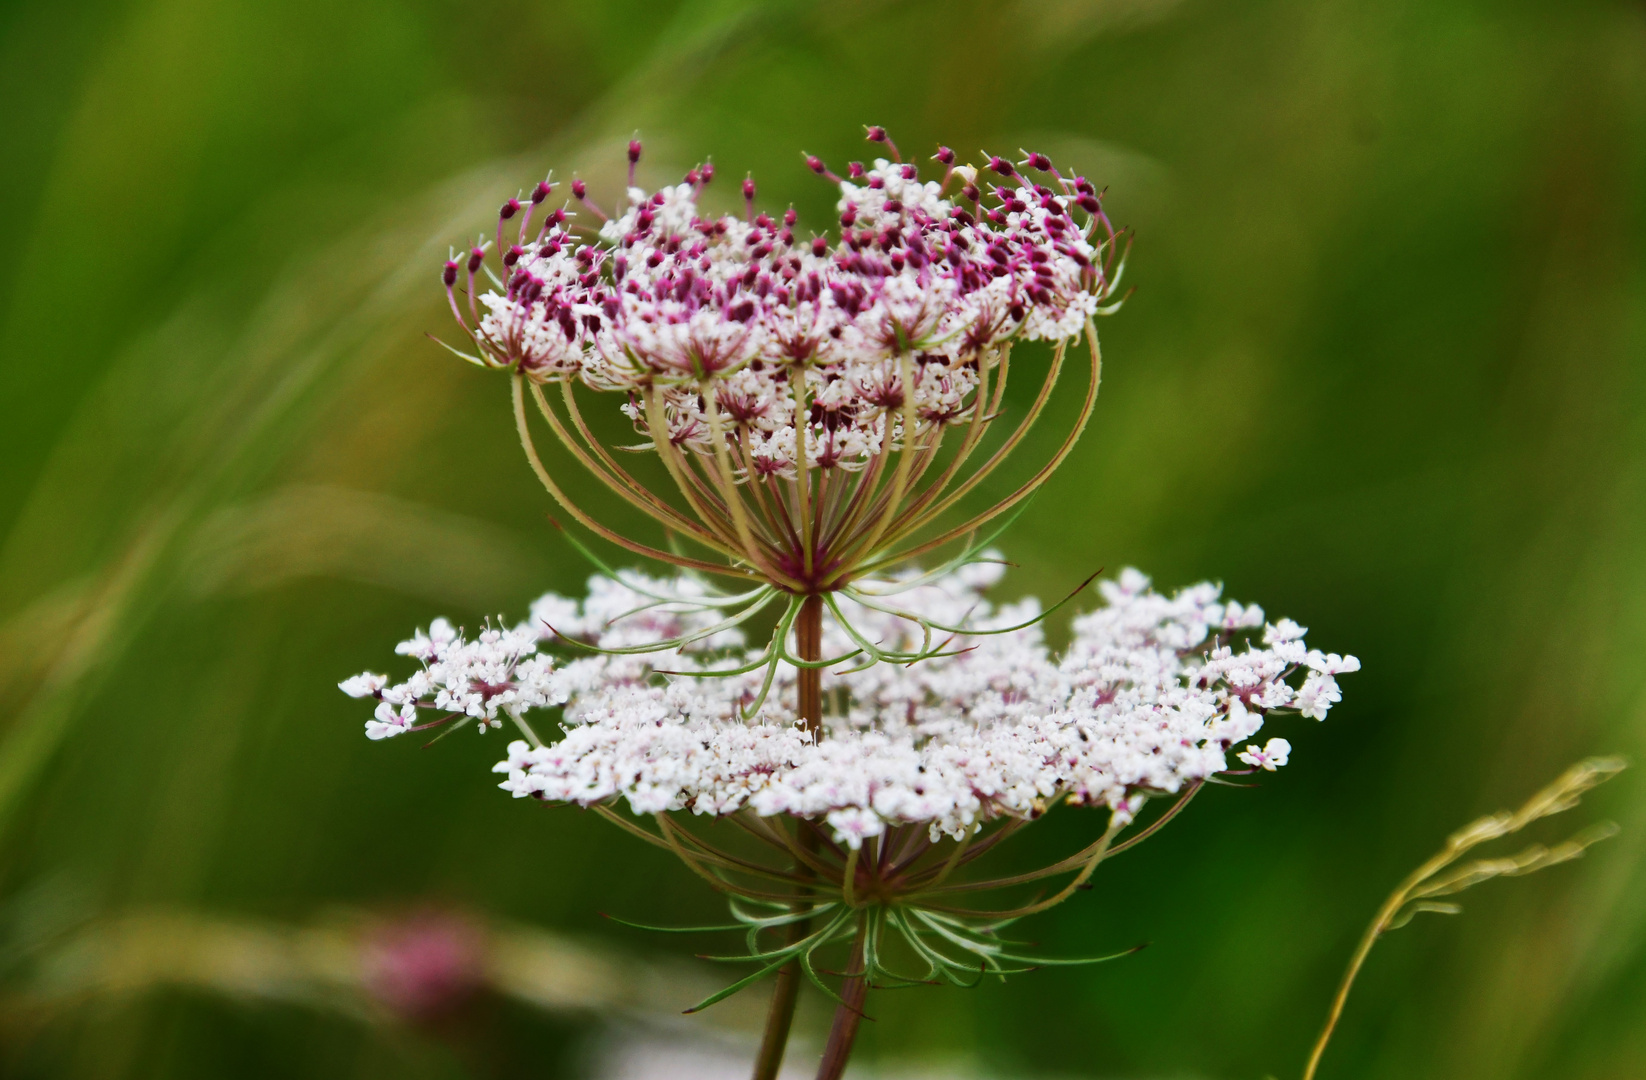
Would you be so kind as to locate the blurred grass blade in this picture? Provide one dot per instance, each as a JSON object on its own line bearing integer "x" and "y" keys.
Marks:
{"x": 1430, "y": 880}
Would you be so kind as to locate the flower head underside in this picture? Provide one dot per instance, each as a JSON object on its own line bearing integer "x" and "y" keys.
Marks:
{"x": 819, "y": 405}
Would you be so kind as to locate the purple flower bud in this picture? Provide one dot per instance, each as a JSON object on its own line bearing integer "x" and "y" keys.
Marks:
{"x": 1090, "y": 204}
{"x": 449, "y": 274}
{"x": 1001, "y": 166}
{"x": 971, "y": 193}
{"x": 815, "y": 164}
{"x": 707, "y": 171}
{"x": 476, "y": 257}
{"x": 910, "y": 172}
{"x": 819, "y": 246}
{"x": 748, "y": 188}
{"x": 848, "y": 216}
{"x": 542, "y": 192}
{"x": 1040, "y": 161}
{"x": 877, "y": 134}
{"x": 693, "y": 178}
{"x": 510, "y": 208}
{"x": 944, "y": 155}
{"x": 579, "y": 188}
{"x": 854, "y": 169}
{"x": 790, "y": 217}
{"x": 634, "y": 150}
{"x": 513, "y": 256}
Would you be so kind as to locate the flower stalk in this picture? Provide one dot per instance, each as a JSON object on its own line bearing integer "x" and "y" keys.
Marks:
{"x": 848, "y": 1014}
{"x": 786, "y": 990}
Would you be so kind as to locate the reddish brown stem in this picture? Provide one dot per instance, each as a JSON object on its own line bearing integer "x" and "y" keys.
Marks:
{"x": 780, "y": 1014}
{"x": 808, "y": 634}
{"x": 847, "y": 1015}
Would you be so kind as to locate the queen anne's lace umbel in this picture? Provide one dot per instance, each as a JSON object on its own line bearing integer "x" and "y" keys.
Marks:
{"x": 1152, "y": 694}
{"x": 753, "y": 335}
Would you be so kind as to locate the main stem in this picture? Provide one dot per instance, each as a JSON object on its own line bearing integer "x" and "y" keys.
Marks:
{"x": 848, "y": 1014}
{"x": 808, "y": 630}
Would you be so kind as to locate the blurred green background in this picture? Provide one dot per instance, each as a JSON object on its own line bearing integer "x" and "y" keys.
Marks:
{"x": 1384, "y": 372}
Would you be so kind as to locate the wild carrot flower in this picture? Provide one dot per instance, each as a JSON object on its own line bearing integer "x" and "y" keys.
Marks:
{"x": 820, "y": 408}
{"x": 799, "y": 392}
{"x": 1149, "y": 698}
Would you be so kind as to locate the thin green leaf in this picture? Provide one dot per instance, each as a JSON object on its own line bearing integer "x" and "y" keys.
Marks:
{"x": 1044, "y": 961}
{"x": 740, "y": 984}
{"x": 672, "y": 929}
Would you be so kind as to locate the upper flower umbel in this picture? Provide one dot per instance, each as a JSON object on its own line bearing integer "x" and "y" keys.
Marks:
{"x": 798, "y": 390}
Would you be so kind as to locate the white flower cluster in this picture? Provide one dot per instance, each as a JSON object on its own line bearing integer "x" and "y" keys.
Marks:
{"x": 1152, "y": 694}
{"x": 502, "y": 671}
{"x": 757, "y": 337}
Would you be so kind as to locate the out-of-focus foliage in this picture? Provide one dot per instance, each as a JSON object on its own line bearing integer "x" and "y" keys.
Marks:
{"x": 1385, "y": 370}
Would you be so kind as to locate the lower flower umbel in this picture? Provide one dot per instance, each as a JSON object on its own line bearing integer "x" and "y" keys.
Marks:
{"x": 864, "y": 834}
